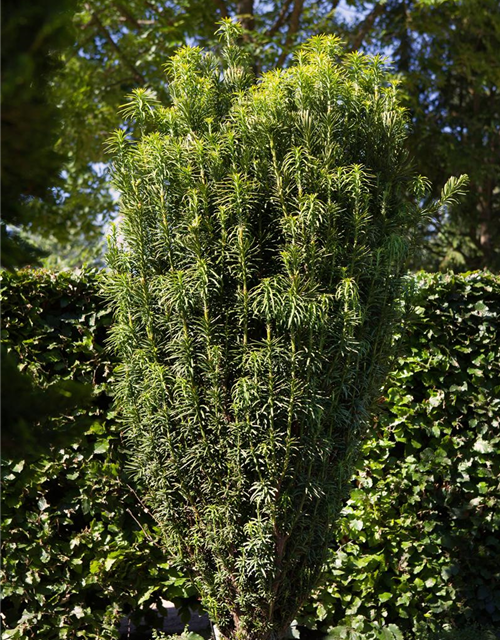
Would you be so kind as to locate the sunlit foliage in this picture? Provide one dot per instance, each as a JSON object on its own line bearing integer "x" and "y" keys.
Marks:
{"x": 264, "y": 232}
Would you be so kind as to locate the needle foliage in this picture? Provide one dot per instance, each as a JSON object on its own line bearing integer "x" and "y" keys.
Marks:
{"x": 254, "y": 279}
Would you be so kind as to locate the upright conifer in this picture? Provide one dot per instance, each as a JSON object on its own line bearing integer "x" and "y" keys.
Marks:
{"x": 264, "y": 231}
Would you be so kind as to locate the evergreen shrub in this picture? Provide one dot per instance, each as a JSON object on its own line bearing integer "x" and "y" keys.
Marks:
{"x": 255, "y": 276}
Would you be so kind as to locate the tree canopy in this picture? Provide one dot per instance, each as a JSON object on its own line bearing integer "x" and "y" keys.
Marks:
{"x": 446, "y": 52}
{"x": 30, "y": 120}
{"x": 448, "y": 56}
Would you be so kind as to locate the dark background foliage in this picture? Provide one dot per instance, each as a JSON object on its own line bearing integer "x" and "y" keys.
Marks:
{"x": 419, "y": 537}
{"x": 31, "y": 122}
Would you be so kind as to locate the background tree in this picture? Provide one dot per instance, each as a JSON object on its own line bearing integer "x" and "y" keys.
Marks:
{"x": 31, "y": 35}
{"x": 119, "y": 46}
{"x": 447, "y": 54}
{"x": 30, "y": 120}
{"x": 265, "y": 230}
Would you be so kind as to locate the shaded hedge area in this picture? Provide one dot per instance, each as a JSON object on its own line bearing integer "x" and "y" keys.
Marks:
{"x": 420, "y": 535}
{"x": 74, "y": 558}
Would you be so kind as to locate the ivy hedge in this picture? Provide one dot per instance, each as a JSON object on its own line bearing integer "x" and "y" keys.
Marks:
{"x": 420, "y": 534}
{"x": 75, "y": 557}
{"x": 421, "y": 545}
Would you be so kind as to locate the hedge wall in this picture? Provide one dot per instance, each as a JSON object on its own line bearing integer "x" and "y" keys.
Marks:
{"x": 419, "y": 536}
{"x": 74, "y": 557}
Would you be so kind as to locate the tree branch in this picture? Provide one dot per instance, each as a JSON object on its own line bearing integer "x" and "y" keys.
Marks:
{"x": 161, "y": 13}
{"x": 137, "y": 74}
{"x": 298, "y": 6}
{"x": 221, "y": 5}
{"x": 365, "y": 26}
{"x": 245, "y": 14}
{"x": 139, "y": 22}
{"x": 126, "y": 14}
{"x": 280, "y": 21}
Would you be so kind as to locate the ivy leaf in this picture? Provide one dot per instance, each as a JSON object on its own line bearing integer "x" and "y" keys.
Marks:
{"x": 482, "y": 446}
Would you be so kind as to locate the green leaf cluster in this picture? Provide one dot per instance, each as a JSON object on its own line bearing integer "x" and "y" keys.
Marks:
{"x": 254, "y": 280}
{"x": 420, "y": 546}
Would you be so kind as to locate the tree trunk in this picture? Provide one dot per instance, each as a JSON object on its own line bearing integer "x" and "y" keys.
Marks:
{"x": 245, "y": 15}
